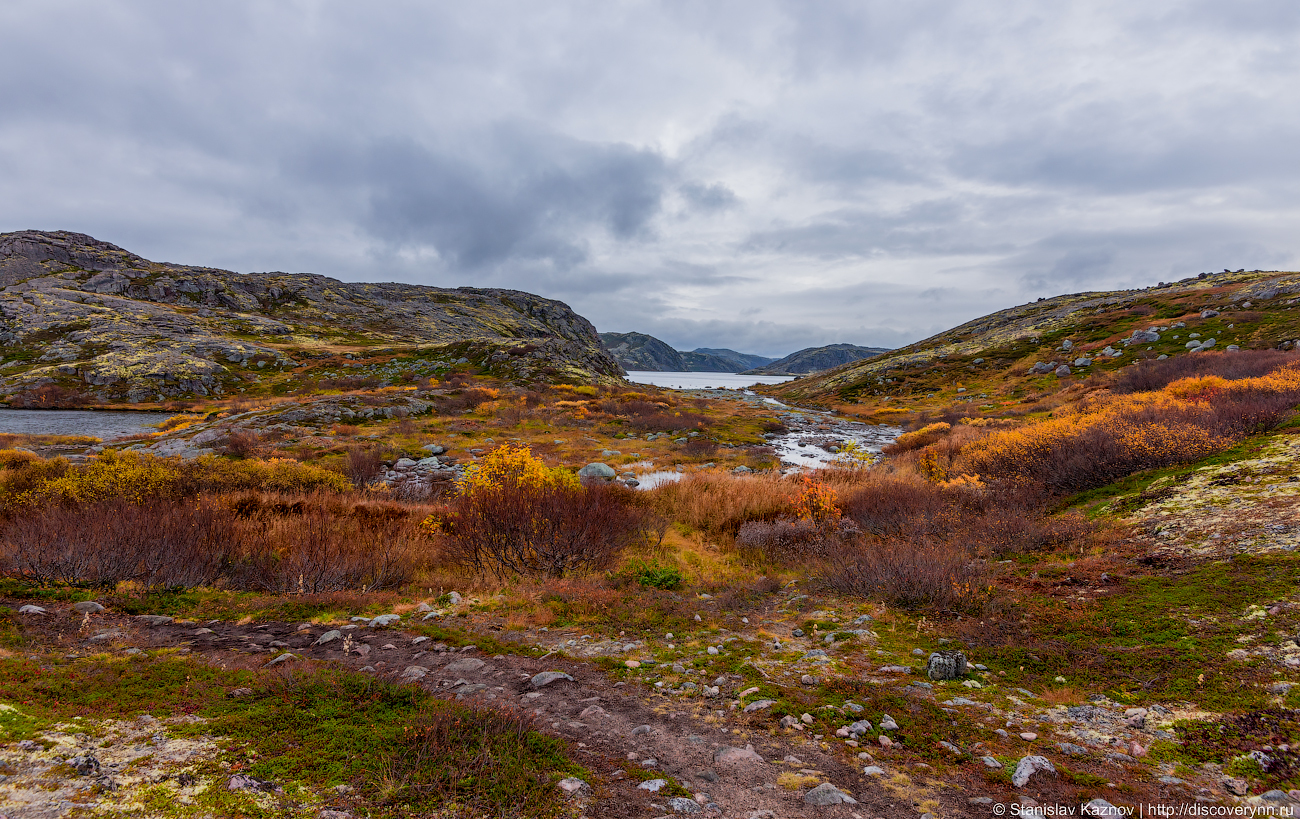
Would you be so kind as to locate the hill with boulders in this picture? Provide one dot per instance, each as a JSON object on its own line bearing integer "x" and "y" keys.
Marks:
{"x": 1016, "y": 355}
{"x": 83, "y": 318}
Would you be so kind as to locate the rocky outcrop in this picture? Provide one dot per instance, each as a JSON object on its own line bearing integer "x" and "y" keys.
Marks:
{"x": 816, "y": 359}
{"x": 90, "y": 316}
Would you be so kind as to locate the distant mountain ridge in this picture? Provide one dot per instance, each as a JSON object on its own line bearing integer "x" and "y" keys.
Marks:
{"x": 816, "y": 359}
{"x": 744, "y": 361}
{"x": 638, "y": 351}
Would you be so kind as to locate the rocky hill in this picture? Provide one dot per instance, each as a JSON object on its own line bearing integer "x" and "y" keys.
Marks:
{"x": 86, "y": 317}
{"x": 742, "y": 361}
{"x": 1014, "y": 355}
{"x": 638, "y": 351}
{"x": 816, "y": 359}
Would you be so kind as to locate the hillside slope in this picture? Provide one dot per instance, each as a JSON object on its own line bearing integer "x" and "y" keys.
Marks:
{"x": 1017, "y": 354}
{"x": 87, "y": 315}
{"x": 816, "y": 359}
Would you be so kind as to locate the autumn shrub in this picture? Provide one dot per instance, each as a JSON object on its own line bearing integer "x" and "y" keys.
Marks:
{"x": 515, "y": 516}
{"x": 913, "y": 574}
{"x": 240, "y": 443}
{"x": 1149, "y": 376}
{"x": 1105, "y": 439}
{"x": 105, "y": 542}
{"x": 885, "y": 505}
{"x": 518, "y": 529}
{"x": 212, "y": 474}
{"x": 782, "y": 542}
{"x": 916, "y": 439}
{"x": 719, "y": 503}
{"x": 244, "y": 542}
{"x": 362, "y": 466}
{"x": 319, "y": 550}
{"x": 701, "y": 447}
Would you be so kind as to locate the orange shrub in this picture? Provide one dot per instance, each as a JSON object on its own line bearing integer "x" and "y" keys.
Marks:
{"x": 1106, "y": 438}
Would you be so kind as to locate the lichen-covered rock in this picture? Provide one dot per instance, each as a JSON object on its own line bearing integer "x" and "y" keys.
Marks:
{"x": 946, "y": 665}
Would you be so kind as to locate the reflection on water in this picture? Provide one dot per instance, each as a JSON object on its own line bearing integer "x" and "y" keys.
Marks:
{"x": 650, "y": 480}
{"x": 105, "y": 425}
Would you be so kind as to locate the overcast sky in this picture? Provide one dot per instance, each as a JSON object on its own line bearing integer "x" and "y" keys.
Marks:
{"x": 761, "y": 175}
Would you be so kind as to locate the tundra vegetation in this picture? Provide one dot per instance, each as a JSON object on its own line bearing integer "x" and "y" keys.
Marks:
{"x": 1115, "y": 559}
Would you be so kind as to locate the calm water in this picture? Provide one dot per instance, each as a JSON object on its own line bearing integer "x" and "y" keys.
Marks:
{"x": 702, "y": 381}
{"x": 105, "y": 425}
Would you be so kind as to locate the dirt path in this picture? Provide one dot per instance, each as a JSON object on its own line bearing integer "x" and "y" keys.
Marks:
{"x": 615, "y": 726}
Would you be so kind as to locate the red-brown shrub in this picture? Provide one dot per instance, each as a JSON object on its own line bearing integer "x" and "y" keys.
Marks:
{"x": 243, "y": 543}
{"x": 519, "y": 529}
{"x": 102, "y": 544}
{"x": 701, "y": 447}
{"x": 363, "y": 464}
{"x": 913, "y": 574}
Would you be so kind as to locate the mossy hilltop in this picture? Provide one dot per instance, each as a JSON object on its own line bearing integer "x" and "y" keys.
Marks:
{"x": 85, "y": 318}
{"x": 987, "y": 362}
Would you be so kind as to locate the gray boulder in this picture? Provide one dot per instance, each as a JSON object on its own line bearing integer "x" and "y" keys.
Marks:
{"x": 1062, "y": 371}
{"x": 1209, "y": 313}
{"x": 827, "y": 794}
{"x": 547, "y": 677}
{"x": 87, "y": 607}
{"x": 727, "y": 755}
{"x": 1028, "y": 767}
{"x": 946, "y": 665}
{"x": 597, "y": 471}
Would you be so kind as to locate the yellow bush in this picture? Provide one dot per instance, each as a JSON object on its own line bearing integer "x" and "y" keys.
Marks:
{"x": 139, "y": 478}
{"x": 513, "y": 465}
{"x": 127, "y": 475}
{"x": 916, "y": 439}
{"x": 213, "y": 474}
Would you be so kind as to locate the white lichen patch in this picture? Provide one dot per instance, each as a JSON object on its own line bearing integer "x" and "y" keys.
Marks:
{"x": 1250, "y": 506}
{"x": 99, "y": 767}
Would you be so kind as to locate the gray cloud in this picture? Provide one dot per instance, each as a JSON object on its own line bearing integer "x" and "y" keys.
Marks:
{"x": 762, "y": 175}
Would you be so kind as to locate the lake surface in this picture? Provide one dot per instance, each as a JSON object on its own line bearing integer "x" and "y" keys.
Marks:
{"x": 105, "y": 425}
{"x": 703, "y": 381}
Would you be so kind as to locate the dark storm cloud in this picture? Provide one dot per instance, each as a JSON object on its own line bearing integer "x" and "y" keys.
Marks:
{"x": 755, "y": 174}
{"x": 515, "y": 194}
